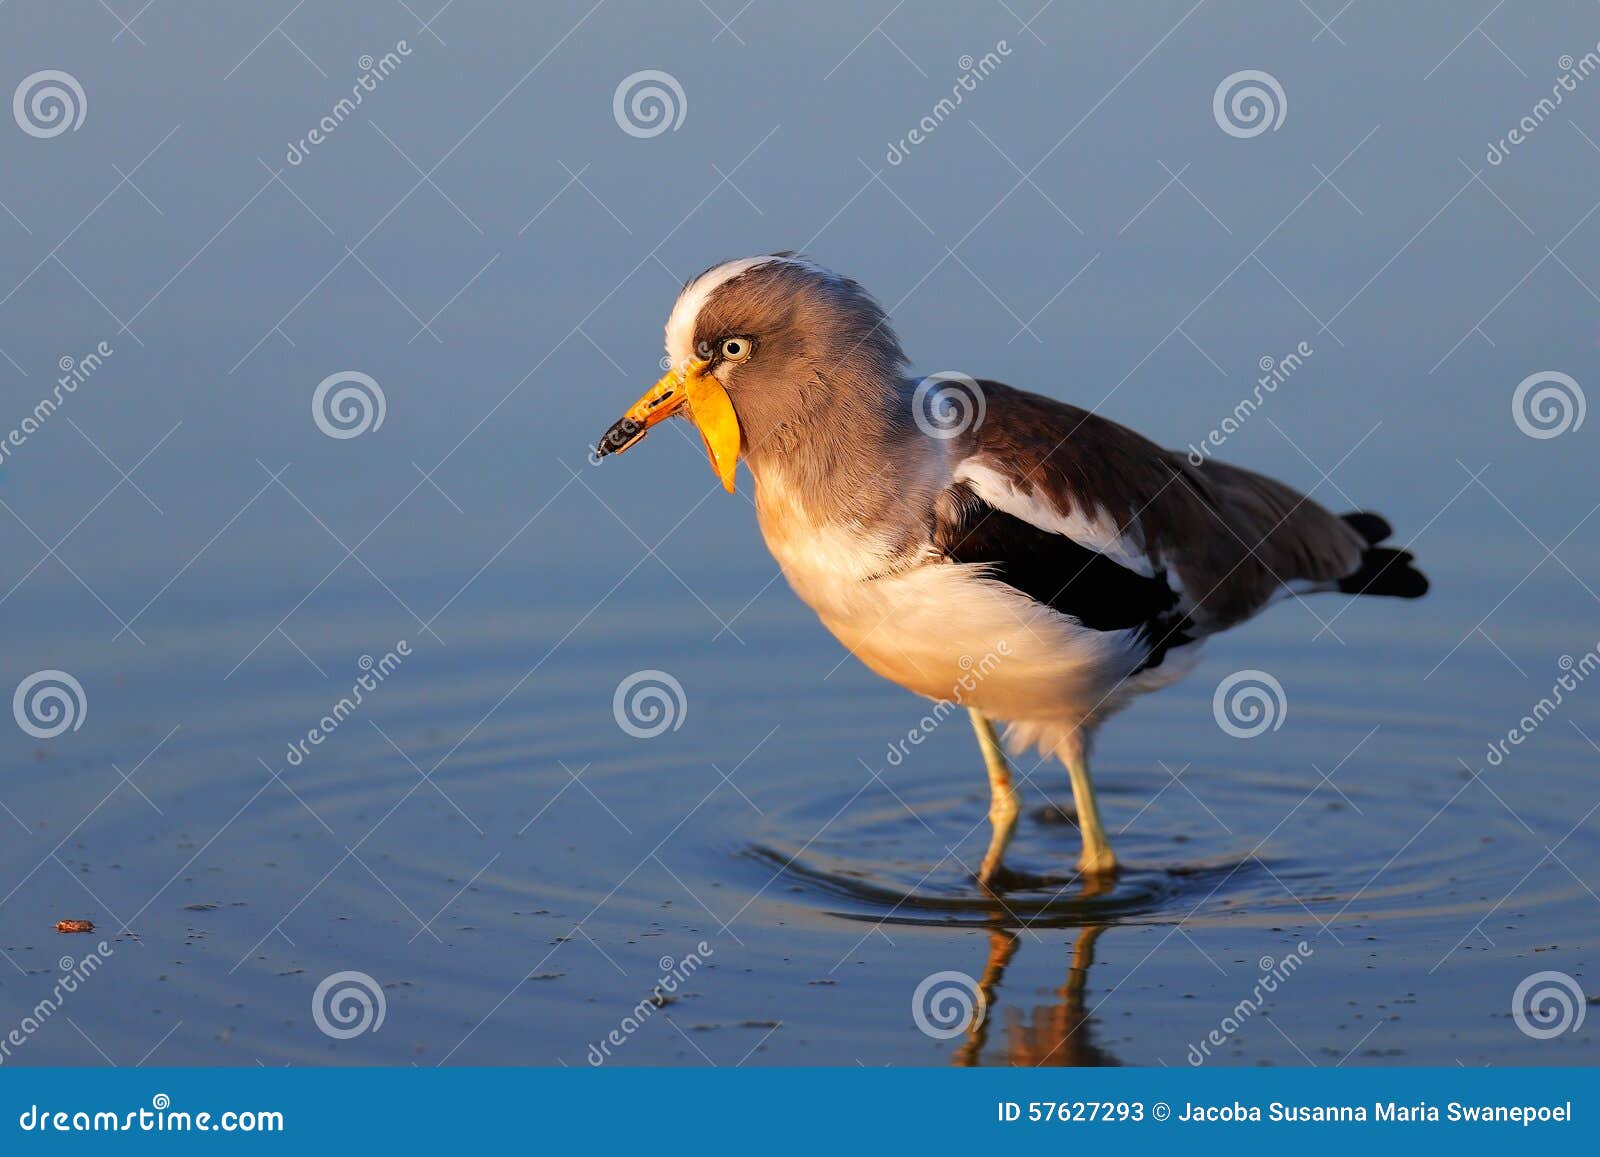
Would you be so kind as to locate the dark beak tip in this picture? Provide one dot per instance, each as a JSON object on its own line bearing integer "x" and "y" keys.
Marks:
{"x": 623, "y": 433}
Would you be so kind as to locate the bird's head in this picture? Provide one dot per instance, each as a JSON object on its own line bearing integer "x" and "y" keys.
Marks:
{"x": 765, "y": 351}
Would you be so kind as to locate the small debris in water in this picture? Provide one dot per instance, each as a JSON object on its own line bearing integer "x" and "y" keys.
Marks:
{"x": 74, "y": 925}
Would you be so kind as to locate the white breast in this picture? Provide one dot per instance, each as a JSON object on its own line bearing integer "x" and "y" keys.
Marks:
{"x": 942, "y": 629}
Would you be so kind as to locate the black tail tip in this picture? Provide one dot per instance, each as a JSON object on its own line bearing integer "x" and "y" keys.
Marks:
{"x": 1372, "y": 527}
{"x": 1386, "y": 571}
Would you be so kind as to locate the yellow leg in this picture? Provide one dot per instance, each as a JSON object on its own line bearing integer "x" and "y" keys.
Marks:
{"x": 1097, "y": 859}
{"x": 1004, "y": 801}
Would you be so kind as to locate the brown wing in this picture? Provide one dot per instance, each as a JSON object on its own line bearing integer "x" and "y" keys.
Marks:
{"x": 1233, "y": 537}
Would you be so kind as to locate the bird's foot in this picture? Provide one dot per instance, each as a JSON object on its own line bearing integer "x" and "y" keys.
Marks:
{"x": 999, "y": 880}
{"x": 1097, "y": 863}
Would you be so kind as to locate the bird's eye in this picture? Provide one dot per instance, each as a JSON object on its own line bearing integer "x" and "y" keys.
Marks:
{"x": 736, "y": 349}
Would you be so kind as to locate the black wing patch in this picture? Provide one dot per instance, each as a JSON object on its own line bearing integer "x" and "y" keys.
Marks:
{"x": 1064, "y": 575}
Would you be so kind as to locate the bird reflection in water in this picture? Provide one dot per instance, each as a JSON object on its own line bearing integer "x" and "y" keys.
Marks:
{"x": 1059, "y": 1033}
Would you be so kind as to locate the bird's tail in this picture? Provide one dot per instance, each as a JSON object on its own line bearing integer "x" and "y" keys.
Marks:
{"x": 1384, "y": 570}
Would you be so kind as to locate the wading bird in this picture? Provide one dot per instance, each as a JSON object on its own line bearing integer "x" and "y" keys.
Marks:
{"x": 931, "y": 521}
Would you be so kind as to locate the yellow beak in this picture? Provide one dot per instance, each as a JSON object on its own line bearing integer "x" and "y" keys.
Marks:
{"x": 709, "y": 408}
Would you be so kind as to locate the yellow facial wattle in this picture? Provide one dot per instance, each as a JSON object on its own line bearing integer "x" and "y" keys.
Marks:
{"x": 709, "y": 408}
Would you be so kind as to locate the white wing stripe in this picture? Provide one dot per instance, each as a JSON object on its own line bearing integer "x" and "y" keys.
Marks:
{"x": 1098, "y": 533}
